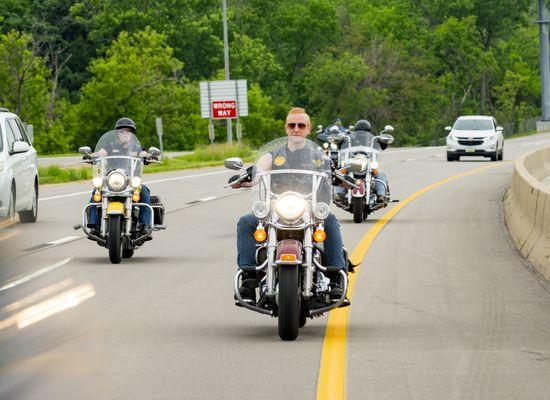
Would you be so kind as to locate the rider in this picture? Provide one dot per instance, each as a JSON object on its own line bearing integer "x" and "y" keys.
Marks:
{"x": 297, "y": 126}
{"x": 361, "y": 136}
{"x": 124, "y": 146}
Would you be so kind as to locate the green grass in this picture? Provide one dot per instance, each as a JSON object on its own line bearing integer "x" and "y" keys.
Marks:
{"x": 204, "y": 156}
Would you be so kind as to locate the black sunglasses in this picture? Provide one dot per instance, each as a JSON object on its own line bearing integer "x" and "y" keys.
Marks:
{"x": 293, "y": 125}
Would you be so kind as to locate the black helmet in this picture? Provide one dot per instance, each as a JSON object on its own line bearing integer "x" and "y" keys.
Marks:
{"x": 363, "y": 125}
{"x": 126, "y": 123}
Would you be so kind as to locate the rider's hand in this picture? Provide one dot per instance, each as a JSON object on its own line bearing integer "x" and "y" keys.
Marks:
{"x": 234, "y": 178}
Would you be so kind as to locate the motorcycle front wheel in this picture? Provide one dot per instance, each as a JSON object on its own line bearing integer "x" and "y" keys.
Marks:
{"x": 289, "y": 303}
{"x": 358, "y": 204}
{"x": 115, "y": 240}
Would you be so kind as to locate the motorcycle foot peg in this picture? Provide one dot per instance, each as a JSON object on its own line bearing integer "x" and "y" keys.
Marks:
{"x": 77, "y": 227}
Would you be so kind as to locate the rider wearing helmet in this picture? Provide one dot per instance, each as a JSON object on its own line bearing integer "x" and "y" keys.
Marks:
{"x": 361, "y": 136}
{"x": 125, "y": 146}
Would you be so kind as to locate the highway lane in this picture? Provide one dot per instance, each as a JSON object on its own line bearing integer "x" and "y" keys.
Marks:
{"x": 424, "y": 324}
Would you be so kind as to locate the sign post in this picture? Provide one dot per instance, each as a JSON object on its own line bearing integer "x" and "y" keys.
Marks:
{"x": 158, "y": 121}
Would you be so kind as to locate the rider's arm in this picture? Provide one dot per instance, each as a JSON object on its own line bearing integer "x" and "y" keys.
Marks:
{"x": 263, "y": 164}
{"x": 100, "y": 153}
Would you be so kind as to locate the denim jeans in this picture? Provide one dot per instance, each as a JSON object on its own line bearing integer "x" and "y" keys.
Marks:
{"x": 144, "y": 212}
{"x": 246, "y": 245}
{"x": 379, "y": 188}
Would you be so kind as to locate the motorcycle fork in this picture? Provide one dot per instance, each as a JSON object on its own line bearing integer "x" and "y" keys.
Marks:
{"x": 368, "y": 184}
{"x": 308, "y": 264}
{"x": 271, "y": 249}
{"x": 128, "y": 216}
{"x": 104, "y": 204}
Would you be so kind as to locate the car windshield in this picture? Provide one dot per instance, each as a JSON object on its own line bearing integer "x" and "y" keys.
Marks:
{"x": 292, "y": 164}
{"x": 473, "y": 125}
{"x": 118, "y": 149}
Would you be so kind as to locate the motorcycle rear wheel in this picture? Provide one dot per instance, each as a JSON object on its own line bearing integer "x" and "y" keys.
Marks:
{"x": 115, "y": 240}
{"x": 289, "y": 303}
{"x": 358, "y": 204}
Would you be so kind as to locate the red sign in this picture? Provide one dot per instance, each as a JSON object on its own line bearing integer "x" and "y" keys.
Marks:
{"x": 224, "y": 109}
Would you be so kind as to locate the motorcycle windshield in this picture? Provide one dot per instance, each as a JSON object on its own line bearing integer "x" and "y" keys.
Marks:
{"x": 118, "y": 150}
{"x": 292, "y": 165}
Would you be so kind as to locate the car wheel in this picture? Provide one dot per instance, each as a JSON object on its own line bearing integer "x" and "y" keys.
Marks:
{"x": 501, "y": 154}
{"x": 29, "y": 216}
{"x": 494, "y": 156}
{"x": 11, "y": 207}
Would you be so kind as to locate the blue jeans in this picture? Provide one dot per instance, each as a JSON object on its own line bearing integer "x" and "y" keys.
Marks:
{"x": 379, "y": 188}
{"x": 246, "y": 245}
{"x": 144, "y": 212}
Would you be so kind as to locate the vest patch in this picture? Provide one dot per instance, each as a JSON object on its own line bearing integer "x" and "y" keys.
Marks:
{"x": 280, "y": 160}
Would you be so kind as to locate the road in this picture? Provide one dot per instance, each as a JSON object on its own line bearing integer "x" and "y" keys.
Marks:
{"x": 443, "y": 305}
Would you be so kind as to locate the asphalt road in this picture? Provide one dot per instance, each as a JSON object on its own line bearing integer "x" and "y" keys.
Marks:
{"x": 443, "y": 308}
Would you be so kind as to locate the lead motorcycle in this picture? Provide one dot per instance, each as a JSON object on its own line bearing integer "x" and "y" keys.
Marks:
{"x": 358, "y": 164}
{"x": 116, "y": 195}
{"x": 291, "y": 205}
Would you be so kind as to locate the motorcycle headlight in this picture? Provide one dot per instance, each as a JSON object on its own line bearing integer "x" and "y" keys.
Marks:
{"x": 116, "y": 181}
{"x": 334, "y": 146}
{"x": 325, "y": 145}
{"x": 321, "y": 210}
{"x": 290, "y": 206}
{"x": 260, "y": 210}
{"x": 97, "y": 182}
{"x": 136, "y": 182}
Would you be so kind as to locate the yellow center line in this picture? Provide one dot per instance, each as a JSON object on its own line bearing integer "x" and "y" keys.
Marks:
{"x": 8, "y": 235}
{"x": 331, "y": 383}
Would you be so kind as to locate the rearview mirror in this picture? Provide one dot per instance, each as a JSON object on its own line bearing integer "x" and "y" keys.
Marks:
{"x": 233, "y": 163}
{"x": 448, "y": 128}
{"x": 319, "y": 128}
{"x": 20, "y": 147}
{"x": 84, "y": 150}
{"x": 154, "y": 151}
{"x": 500, "y": 128}
{"x": 387, "y": 128}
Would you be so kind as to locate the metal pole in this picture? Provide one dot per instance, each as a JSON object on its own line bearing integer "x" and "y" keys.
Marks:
{"x": 226, "y": 62}
{"x": 544, "y": 61}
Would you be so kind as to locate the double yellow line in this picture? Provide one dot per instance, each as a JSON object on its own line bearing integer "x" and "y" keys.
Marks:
{"x": 331, "y": 383}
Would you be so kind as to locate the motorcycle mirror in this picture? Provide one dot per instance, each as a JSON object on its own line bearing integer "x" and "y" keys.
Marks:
{"x": 154, "y": 151}
{"x": 84, "y": 150}
{"x": 319, "y": 128}
{"x": 233, "y": 163}
{"x": 351, "y": 128}
{"x": 387, "y": 128}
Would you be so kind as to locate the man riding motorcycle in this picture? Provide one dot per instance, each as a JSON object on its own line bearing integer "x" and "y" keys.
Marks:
{"x": 360, "y": 136}
{"x": 291, "y": 156}
{"x": 124, "y": 146}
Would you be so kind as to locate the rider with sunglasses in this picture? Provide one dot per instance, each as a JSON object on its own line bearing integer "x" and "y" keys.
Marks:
{"x": 297, "y": 128}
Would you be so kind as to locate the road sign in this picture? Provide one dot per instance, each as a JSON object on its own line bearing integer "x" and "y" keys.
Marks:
{"x": 224, "y": 109}
{"x": 224, "y": 91}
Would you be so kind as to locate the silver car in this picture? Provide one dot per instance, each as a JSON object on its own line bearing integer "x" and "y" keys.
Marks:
{"x": 18, "y": 170}
{"x": 475, "y": 135}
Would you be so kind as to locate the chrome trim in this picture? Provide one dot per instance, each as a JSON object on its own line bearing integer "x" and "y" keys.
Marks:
{"x": 308, "y": 264}
{"x": 319, "y": 311}
{"x": 271, "y": 249}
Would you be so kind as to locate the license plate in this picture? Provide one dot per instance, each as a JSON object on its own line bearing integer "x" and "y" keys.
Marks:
{"x": 470, "y": 150}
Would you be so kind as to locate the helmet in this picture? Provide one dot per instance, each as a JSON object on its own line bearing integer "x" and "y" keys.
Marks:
{"x": 334, "y": 129}
{"x": 126, "y": 123}
{"x": 363, "y": 125}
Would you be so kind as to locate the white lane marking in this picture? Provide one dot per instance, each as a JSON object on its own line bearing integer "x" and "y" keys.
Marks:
{"x": 177, "y": 178}
{"x": 26, "y": 278}
{"x": 409, "y": 159}
{"x": 63, "y": 240}
{"x": 208, "y": 198}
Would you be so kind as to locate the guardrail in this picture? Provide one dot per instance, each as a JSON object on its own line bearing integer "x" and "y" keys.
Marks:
{"x": 527, "y": 208}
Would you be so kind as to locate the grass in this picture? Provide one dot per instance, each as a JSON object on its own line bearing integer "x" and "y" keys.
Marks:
{"x": 204, "y": 156}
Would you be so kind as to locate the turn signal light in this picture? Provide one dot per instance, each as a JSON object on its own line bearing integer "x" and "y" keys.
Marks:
{"x": 319, "y": 235}
{"x": 97, "y": 196}
{"x": 289, "y": 257}
{"x": 136, "y": 197}
{"x": 260, "y": 235}
{"x": 375, "y": 171}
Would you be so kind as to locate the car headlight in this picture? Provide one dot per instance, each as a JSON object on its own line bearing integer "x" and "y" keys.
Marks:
{"x": 260, "y": 210}
{"x": 490, "y": 139}
{"x": 136, "y": 182}
{"x": 321, "y": 210}
{"x": 116, "y": 181}
{"x": 97, "y": 182}
{"x": 290, "y": 206}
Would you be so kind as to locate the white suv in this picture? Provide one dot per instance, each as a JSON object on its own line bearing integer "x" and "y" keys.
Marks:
{"x": 475, "y": 135}
{"x": 18, "y": 170}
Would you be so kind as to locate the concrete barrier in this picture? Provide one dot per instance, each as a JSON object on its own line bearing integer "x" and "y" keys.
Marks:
{"x": 527, "y": 208}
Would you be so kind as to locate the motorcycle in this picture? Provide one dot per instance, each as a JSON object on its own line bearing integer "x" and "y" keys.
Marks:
{"x": 358, "y": 165}
{"x": 116, "y": 195}
{"x": 291, "y": 205}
